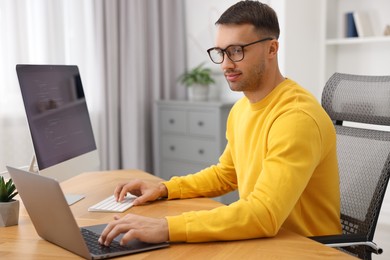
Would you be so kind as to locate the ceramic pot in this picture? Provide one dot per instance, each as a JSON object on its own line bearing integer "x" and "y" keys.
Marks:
{"x": 198, "y": 92}
{"x": 9, "y": 213}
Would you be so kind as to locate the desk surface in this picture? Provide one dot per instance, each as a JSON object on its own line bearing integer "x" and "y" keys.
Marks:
{"x": 22, "y": 242}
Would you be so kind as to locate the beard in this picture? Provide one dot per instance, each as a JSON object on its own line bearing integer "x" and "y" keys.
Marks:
{"x": 249, "y": 80}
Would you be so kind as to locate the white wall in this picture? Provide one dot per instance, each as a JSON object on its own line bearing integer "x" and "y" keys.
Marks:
{"x": 300, "y": 42}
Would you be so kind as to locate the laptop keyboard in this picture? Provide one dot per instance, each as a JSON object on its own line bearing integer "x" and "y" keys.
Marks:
{"x": 111, "y": 205}
{"x": 91, "y": 239}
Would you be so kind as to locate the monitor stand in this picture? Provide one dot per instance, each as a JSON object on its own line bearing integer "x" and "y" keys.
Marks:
{"x": 73, "y": 198}
{"x": 70, "y": 198}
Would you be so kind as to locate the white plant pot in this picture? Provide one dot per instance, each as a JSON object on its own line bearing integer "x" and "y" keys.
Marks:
{"x": 9, "y": 213}
{"x": 198, "y": 92}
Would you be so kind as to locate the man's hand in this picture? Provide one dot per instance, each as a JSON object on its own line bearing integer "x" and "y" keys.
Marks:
{"x": 146, "y": 191}
{"x": 150, "y": 230}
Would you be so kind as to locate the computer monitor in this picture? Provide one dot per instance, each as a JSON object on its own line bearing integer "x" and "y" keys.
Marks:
{"x": 58, "y": 119}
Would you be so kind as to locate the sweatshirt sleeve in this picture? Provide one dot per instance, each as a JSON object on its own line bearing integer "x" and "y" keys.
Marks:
{"x": 213, "y": 181}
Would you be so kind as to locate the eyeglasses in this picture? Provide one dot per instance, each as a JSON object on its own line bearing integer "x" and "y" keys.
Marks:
{"x": 234, "y": 52}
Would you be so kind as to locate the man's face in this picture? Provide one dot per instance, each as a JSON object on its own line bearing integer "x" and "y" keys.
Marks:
{"x": 247, "y": 74}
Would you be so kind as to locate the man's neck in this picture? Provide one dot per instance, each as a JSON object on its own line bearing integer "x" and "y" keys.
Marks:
{"x": 264, "y": 90}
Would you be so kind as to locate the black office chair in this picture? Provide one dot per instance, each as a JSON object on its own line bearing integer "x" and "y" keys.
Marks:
{"x": 363, "y": 156}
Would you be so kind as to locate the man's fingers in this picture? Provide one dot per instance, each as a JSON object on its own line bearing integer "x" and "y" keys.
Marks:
{"x": 116, "y": 231}
{"x": 103, "y": 237}
{"x": 118, "y": 190}
{"x": 122, "y": 194}
{"x": 145, "y": 229}
{"x": 134, "y": 187}
{"x": 110, "y": 226}
{"x": 113, "y": 232}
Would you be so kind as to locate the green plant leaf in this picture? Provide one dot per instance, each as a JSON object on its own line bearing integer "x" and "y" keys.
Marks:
{"x": 7, "y": 190}
{"x": 197, "y": 75}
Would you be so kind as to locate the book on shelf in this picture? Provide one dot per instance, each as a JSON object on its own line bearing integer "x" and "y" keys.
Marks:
{"x": 350, "y": 30}
{"x": 363, "y": 24}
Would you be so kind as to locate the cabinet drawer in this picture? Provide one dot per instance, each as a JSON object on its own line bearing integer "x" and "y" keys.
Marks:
{"x": 173, "y": 121}
{"x": 203, "y": 123}
{"x": 189, "y": 149}
{"x": 170, "y": 168}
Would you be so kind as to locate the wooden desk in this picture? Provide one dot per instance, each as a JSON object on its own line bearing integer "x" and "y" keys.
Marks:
{"x": 22, "y": 242}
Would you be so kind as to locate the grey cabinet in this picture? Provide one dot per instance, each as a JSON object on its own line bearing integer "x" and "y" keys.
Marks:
{"x": 189, "y": 137}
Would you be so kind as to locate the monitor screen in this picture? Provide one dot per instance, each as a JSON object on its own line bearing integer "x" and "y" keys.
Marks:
{"x": 58, "y": 119}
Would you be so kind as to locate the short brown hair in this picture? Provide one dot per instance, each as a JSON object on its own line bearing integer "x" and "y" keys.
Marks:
{"x": 260, "y": 15}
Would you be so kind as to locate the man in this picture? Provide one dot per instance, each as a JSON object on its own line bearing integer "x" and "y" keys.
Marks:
{"x": 280, "y": 152}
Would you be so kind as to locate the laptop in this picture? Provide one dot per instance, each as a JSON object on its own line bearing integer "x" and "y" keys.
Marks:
{"x": 53, "y": 220}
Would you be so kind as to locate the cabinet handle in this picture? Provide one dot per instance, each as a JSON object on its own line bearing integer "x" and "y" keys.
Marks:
{"x": 201, "y": 151}
{"x": 171, "y": 121}
{"x": 200, "y": 123}
{"x": 172, "y": 148}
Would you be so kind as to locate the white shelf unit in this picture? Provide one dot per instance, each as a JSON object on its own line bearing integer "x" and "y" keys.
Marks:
{"x": 348, "y": 41}
{"x": 357, "y": 55}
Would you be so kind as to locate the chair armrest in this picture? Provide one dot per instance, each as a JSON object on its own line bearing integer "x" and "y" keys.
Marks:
{"x": 345, "y": 240}
{"x": 333, "y": 239}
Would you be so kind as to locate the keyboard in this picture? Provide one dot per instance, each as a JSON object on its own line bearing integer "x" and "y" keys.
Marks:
{"x": 91, "y": 239}
{"x": 111, "y": 205}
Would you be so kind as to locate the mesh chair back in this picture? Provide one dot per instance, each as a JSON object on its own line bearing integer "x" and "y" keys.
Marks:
{"x": 363, "y": 154}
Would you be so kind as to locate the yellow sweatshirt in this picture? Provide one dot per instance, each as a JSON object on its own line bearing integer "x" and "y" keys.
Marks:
{"x": 281, "y": 155}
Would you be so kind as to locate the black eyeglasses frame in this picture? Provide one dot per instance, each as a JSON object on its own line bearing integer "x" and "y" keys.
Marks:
{"x": 242, "y": 47}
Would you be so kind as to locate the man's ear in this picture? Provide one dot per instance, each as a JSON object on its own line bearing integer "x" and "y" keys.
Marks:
{"x": 273, "y": 48}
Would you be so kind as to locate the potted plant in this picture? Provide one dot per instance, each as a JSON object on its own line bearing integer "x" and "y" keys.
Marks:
{"x": 9, "y": 207}
{"x": 198, "y": 80}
